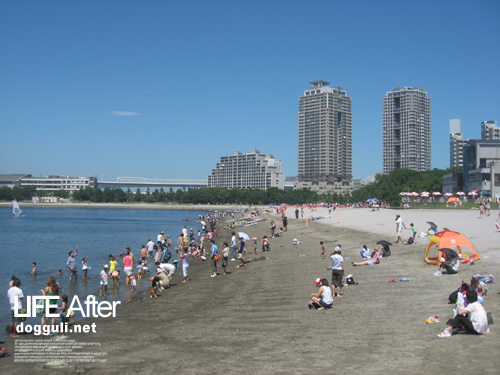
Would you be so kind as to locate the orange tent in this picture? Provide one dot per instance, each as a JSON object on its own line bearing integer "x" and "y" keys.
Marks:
{"x": 449, "y": 239}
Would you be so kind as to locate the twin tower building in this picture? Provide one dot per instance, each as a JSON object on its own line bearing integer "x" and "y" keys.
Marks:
{"x": 325, "y": 135}
{"x": 325, "y": 142}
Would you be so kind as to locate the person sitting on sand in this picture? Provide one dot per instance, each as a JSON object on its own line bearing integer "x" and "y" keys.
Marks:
{"x": 450, "y": 264}
{"x": 375, "y": 259}
{"x": 365, "y": 253}
{"x": 323, "y": 299}
{"x": 386, "y": 251}
{"x": 479, "y": 287}
{"x": 475, "y": 323}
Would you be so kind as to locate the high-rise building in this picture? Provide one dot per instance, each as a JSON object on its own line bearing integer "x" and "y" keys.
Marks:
{"x": 247, "y": 171}
{"x": 325, "y": 137}
{"x": 490, "y": 131}
{"x": 406, "y": 129}
{"x": 457, "y": 143}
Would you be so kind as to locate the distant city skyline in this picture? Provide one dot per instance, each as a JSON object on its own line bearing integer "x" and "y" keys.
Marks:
{"x": 164, "y": 89}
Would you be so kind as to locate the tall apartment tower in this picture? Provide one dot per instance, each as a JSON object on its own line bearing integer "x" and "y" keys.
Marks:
{"x": 457, "y": 143}
{"x": 490, "y": 131}
{"x": 325, "y": 136}
{"x": 406, "y": 129}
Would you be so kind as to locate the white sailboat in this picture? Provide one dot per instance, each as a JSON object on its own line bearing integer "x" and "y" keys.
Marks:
{"x": 15, "y": 208}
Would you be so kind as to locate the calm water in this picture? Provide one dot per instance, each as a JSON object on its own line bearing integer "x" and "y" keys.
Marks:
{"x": 46, "y": 235}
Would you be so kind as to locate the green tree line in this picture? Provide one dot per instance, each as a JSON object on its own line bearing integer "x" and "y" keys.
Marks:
{"x": 385, "y": 188}
{"x": 201, "y": 196}
{"x": 25, "y": 193}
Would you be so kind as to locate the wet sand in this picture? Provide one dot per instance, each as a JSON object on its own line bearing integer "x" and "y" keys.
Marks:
{"x": 256, "y": 321}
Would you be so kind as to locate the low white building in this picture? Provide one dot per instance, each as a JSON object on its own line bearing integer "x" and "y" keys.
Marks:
{"x": 55, "y": 183}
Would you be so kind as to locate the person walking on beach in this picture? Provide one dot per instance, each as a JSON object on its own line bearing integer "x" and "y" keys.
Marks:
{"x": 338, "y": 271}
{"x": 241, "y": 253}
{"x": 15, "y": 291}
{"x": 71, "y": 263}
{"x": 323, "y": 250}
{"x": 399, "y": 228}
{"x": 296, "y": 213}
{"x": 225, "y": 257}
{"x": 234, "y": 245}
{"x": 185, "y": 264}
{"x": 214, "y": 254}
{"x": 272, "y": 228}
{"x": 285, "y": 223}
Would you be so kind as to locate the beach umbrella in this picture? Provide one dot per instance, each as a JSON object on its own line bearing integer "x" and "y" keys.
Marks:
{"x": 384, "y": 242}
{"x": 448, "y": 194}
{"x": 403, "y": 193}
{"x": 203, "y": 223}
{"x": 255, "y": 239}
{"x": 431, "y": 224}
{"x": 453, "y": 199}
{"x": 414, "y": 194}
{"x": 436, "y": 193}
{"x": 450, "y": 252}
{"x": 244, "y": 236}
{"x": 460, "y": 193}
{"x": 473, "y": 192}
{"x": 425, "y": 194}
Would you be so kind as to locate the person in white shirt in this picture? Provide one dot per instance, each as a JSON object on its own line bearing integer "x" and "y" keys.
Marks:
{"x": 399, "y": 227}
{"x": 15, "y": 291}
{"x": 476, "y": 323}
{"x": 151, "y": 246}
{"x": 234, "y": 246}
{"x": 338, "y": 271}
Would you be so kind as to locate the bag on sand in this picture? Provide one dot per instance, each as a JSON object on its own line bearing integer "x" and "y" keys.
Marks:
{"x": 349, "y": 279}
{"x": 410, "y": 241}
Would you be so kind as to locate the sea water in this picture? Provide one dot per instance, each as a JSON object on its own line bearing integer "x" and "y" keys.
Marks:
{"x": 46, "y": 235}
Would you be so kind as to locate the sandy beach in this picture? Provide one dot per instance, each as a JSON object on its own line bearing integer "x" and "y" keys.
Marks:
{"x": 256, "y": 321}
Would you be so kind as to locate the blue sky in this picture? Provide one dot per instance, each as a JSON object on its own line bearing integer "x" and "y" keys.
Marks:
{"x": 162, "y": 89}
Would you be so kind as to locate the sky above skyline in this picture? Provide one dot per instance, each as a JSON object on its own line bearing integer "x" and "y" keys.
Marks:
{"x": 163, "y": 89}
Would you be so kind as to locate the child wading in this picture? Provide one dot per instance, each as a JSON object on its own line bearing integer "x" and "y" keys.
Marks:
{"x": 104, "y": 281}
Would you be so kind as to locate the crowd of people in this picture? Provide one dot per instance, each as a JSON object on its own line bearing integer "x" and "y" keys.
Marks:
{"x": 157, "y": 265}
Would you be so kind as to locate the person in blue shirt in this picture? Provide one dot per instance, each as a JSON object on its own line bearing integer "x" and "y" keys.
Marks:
{"x": 365, "y": 252}
{"x": 214, "y": 254}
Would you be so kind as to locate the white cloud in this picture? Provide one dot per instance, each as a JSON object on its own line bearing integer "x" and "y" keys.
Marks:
{"x": 125, "y": 113}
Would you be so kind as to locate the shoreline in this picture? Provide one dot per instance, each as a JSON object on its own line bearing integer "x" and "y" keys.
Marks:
{"x": 138, "y": 206}
{"x": 256, "y": 320}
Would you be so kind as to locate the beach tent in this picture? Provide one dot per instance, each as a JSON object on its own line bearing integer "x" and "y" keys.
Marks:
{"x": 449, "y": 239}
{"x": 453, "y": 199}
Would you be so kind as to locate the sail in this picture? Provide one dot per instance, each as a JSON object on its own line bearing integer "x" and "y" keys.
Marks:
{"x": 15, "y": 208}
